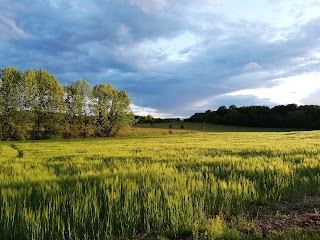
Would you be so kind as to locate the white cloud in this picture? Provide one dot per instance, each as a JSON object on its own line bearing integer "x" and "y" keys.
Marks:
{"x": 150, "y": 54}
{"x": 177, "y": 49}
{"x": 150, "y": 5}
{"x": 201, "y": 104}
{"x": 250, "y": 79}
{"x": 312, "y": 99}
{"x": 145, "y": 111}
{"x": 123, "y": 32}
{"x": 281, "y": 14}
{"x": 199, "y": 6}
{"x": 9, "y": 30}
{"x": 251, "y": 67}
{"x": 288, "y": 90}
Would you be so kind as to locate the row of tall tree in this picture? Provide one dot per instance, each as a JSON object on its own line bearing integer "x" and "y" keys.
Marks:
{"x": 151, "y": 119}
{"x": 289, "y": 116}
{"x": 34, "y": 105}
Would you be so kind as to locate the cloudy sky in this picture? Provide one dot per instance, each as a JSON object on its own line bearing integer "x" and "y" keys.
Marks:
{"x": 173, "y": 57}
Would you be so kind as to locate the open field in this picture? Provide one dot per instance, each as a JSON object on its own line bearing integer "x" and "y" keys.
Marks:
{"x": 208, "y": 127}
{"x": 153, "y": 183}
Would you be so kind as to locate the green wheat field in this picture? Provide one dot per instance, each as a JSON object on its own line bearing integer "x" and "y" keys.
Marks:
{"x": 155, "y": 183}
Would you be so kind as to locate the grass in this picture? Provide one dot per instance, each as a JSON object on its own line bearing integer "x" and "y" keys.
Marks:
{"x": 152, "y": 183}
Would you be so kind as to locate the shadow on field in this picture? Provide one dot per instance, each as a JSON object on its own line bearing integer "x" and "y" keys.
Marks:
{"x": 286, "y": 215}
{"x": 208, "y": 127}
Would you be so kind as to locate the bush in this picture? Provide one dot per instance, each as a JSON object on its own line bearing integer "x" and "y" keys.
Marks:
{"x": 204, "y": 228}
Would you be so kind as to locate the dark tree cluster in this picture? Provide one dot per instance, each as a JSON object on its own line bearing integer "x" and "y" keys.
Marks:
{"x": 151, "y": 119}
{"x": 289, "y": 116}
{"x": 33, "y": 105}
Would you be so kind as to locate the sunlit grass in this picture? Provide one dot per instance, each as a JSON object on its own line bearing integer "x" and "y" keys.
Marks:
{"x": 151, "y": 182}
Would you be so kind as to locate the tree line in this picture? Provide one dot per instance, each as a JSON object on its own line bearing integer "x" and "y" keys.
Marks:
{"x": 282, "y": 116}
{"x": 34, "y": 105}
{"x": 151, "y": 119}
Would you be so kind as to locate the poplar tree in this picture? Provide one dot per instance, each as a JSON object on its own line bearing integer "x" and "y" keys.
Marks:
{"x": 77, "y": 98}
{"x": 33, "y": 105}
{"x": 12, "y": 101}
{"x": 48, "y": 105}
{"x": 111, "y": 110}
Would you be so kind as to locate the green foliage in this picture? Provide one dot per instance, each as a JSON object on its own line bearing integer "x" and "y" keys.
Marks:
{"x": 184, "y": 185}
{"x": 206, "y": 228}
{"x": 150, "y": 119}
{"x": 47, "y": 104}
{"x": 111, "y": 110}
{"x": 77, "y": 97}
{"x": 290, "y": 116}
{"x": 33, "y": 105}
{"x": 13, "y": 95}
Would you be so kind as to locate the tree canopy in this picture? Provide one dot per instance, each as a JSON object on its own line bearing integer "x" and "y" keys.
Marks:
{"x": 289, "y": 116}
{"x": 34, "y": 105}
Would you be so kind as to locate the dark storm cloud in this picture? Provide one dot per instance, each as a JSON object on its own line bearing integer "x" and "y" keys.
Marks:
{"x": 125, "y": 42}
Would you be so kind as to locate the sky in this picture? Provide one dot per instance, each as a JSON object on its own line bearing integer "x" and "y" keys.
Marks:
{"x": 173, "y": 57}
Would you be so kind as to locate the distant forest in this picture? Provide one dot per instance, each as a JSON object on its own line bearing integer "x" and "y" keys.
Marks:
{"x": 33, "y": 105}
{"x": 289, "y": 116}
